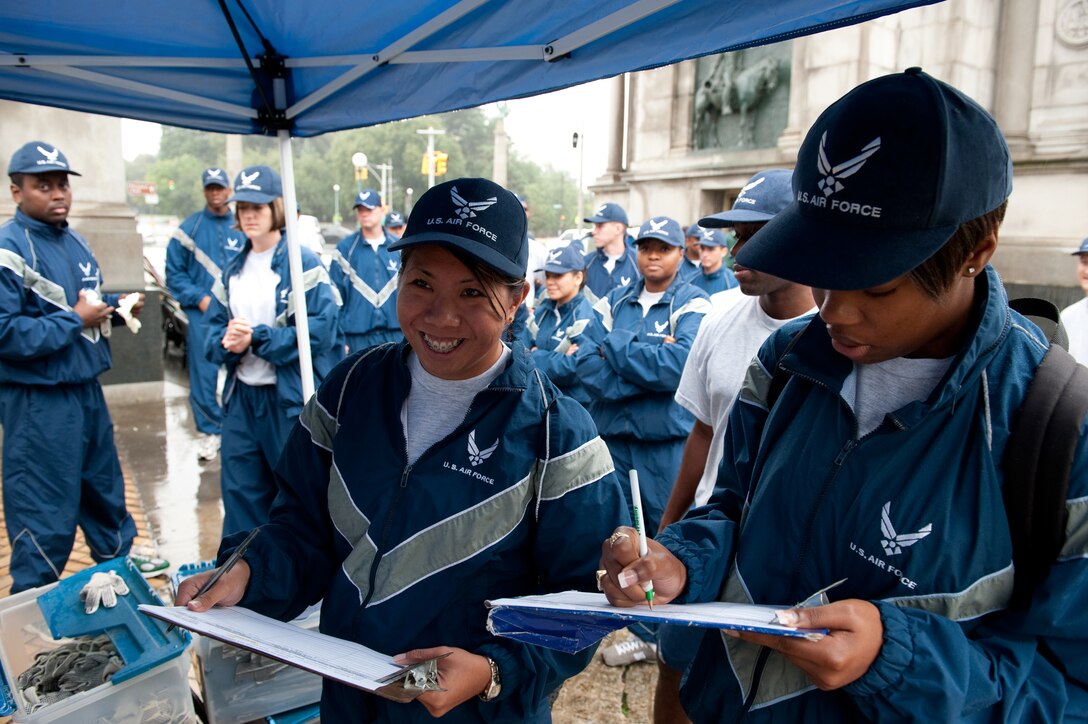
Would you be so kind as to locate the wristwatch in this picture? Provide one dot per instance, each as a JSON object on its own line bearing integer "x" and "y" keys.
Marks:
{"x": 495, "y": 686}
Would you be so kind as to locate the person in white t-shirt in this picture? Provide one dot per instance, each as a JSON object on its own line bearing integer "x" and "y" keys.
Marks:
{"x": 729, "y": 337}
{"x": 1075, "y": 316}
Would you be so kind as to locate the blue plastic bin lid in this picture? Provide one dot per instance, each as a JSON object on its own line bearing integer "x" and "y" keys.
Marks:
{"x": 142, "y": 641}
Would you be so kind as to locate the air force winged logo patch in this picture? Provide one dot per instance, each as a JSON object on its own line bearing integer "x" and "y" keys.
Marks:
{"x": 894, "y": 543}
{"x": 657, "y": 225}
{"x": 553, "y": 255}
{"x": 475, "y": 454}
{"x": 661, "y": 326}
{"x": 247, "y": 181}
{"x": 752, "y": 185}
{"x": 50, "y": 156}
{"x": 830, "y": 183}
{"x": 466, "y": 208}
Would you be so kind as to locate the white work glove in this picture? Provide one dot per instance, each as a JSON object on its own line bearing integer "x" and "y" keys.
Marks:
{"x": 124, "y": 308}
{"x": 103, "y": 588}
{"x": 92, "y": 297}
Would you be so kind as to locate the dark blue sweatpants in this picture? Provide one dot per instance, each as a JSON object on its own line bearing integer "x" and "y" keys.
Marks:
{"x": 255, "y": 429}
{"x": 60, "y": 470}
{"x": 203, "y": 376}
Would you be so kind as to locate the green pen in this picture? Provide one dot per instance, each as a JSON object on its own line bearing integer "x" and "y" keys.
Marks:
{"x": 640, "y": 526}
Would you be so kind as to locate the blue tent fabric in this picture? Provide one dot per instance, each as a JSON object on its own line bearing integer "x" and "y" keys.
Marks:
{"x": 432, "y": 55}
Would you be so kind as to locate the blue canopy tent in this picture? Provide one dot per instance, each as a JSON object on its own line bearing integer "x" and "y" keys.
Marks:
{"x": 301, "y": 69}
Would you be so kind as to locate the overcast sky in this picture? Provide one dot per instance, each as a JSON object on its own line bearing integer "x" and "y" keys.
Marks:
{"x": 540, "y": 128}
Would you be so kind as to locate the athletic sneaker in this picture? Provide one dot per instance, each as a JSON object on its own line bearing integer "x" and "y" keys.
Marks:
{"x": 147, "y": 561}
{"x": 209, "y": 447}
{"x": 629, "y": 652}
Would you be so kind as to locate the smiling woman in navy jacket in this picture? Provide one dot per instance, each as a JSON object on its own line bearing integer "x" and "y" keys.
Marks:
{"x": 428, "y": 476}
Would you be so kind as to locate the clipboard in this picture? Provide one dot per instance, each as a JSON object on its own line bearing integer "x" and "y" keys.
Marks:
{"x": 573, "y": 620}
{"x": 333, "y": 658}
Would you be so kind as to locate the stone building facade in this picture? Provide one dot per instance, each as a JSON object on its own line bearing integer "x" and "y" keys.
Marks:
{"x": 1026, "y": 61}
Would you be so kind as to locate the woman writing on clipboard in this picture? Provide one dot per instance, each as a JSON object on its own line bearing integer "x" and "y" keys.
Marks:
{"x": 428, "y": 476}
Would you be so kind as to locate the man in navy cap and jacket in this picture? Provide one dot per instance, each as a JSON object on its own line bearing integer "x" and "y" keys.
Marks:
{"x": 614, "y": 263}
{"x": 365, "y": 272}
{"x": 195, "y": 258}
{"x": 60, "y": 465}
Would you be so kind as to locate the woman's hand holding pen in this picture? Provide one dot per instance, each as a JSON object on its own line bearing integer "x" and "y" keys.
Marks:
{"x": 462, "y": 674}
{"x": 227, "y": 591}
{"x": 625, "y": 570}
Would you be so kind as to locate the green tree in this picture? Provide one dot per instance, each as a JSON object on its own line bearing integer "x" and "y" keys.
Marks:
{"x": 324, "y": 161}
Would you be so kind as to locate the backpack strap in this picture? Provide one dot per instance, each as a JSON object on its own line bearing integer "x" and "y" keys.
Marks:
{"x": 1038, "y": 460}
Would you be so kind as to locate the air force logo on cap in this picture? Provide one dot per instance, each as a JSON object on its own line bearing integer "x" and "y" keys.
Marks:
{"x": 394, "y": 219}
{"x": 565, "y": 259}
{"x": 884, "y": 178}
{"x": 608, "y": 212}
{"x": 39, "y": 157}
{"x": 765, "y": 194}
{"x": 369, "y": 198}
{"x": 257, "y": 185}
{"x": 663, "y": 229}
{"x": 476, "y": 216}
{"x": 215, "y": 177}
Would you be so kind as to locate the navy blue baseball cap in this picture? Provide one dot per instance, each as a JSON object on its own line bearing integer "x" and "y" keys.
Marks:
{"x": 693, "y": 230}
{"x": 368, "y": 198}
{"x": 475, "y": 215}
{"x": 394, "y": 219}
{"x": 1082, "y": 249}
{"x": 215, "y": 176}
{"x": 565, "y": 259}
{"x": 765, "y": 194}
{"x": 257, "y": 185}
{"x": 39, "y": 157}
{"x": 663, "y": 229}
{"x": 884, "y": 178}
{"x": 712, "y": 237}
{"x": 608, "y": 212}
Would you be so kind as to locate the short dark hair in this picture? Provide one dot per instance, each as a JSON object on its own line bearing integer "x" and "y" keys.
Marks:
{"x": 936, "y": 274}
{"x": 17, "y": 178}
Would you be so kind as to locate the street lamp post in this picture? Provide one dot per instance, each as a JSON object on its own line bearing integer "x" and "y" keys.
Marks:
{"x": 408, "y": 200}
{"x": 581, "y": 156}
{"x": 336, "y": 203}
{"x": 358, "y": 160}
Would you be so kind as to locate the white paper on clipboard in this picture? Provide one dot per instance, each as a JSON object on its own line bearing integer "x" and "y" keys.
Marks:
{"x": 345, "y": 661}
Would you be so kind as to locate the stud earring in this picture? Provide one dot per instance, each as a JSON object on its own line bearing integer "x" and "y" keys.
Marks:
{"x": 970, "y": 270}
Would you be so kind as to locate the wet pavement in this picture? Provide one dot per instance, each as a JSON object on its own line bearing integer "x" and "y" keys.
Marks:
{"x": 158, "y": 444}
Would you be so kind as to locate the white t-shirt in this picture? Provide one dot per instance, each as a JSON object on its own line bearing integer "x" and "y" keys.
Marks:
{"x": 648, "y": 299}
{"x": 1075, "y": 320}
{"x": 253, "y": 296}
{"x": 435, "y": 407}
{"x": 728, "y": 339}
{"x": 376, "y": 241}
{"x": 874, "y": 390}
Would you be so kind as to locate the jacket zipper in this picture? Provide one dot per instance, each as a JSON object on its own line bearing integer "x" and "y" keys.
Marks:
{"x": 764, "y": 653}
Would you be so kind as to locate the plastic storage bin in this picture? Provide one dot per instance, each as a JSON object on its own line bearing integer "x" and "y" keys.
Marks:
{"x": 240, "y": 685}
{"x": 152, "y": 686}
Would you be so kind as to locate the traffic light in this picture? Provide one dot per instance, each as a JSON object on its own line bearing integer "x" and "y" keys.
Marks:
{"x": 360, "y": 173}
{"x": 425, "y": 167}
{"x": 170, "y": 184}
{"x": 440, "y": 163}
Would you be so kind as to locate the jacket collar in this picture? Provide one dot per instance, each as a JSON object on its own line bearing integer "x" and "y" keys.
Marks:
{"x": 40, "y": 227}
{"x": 814, "y": 358}
{"x": 666, "y": 298}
